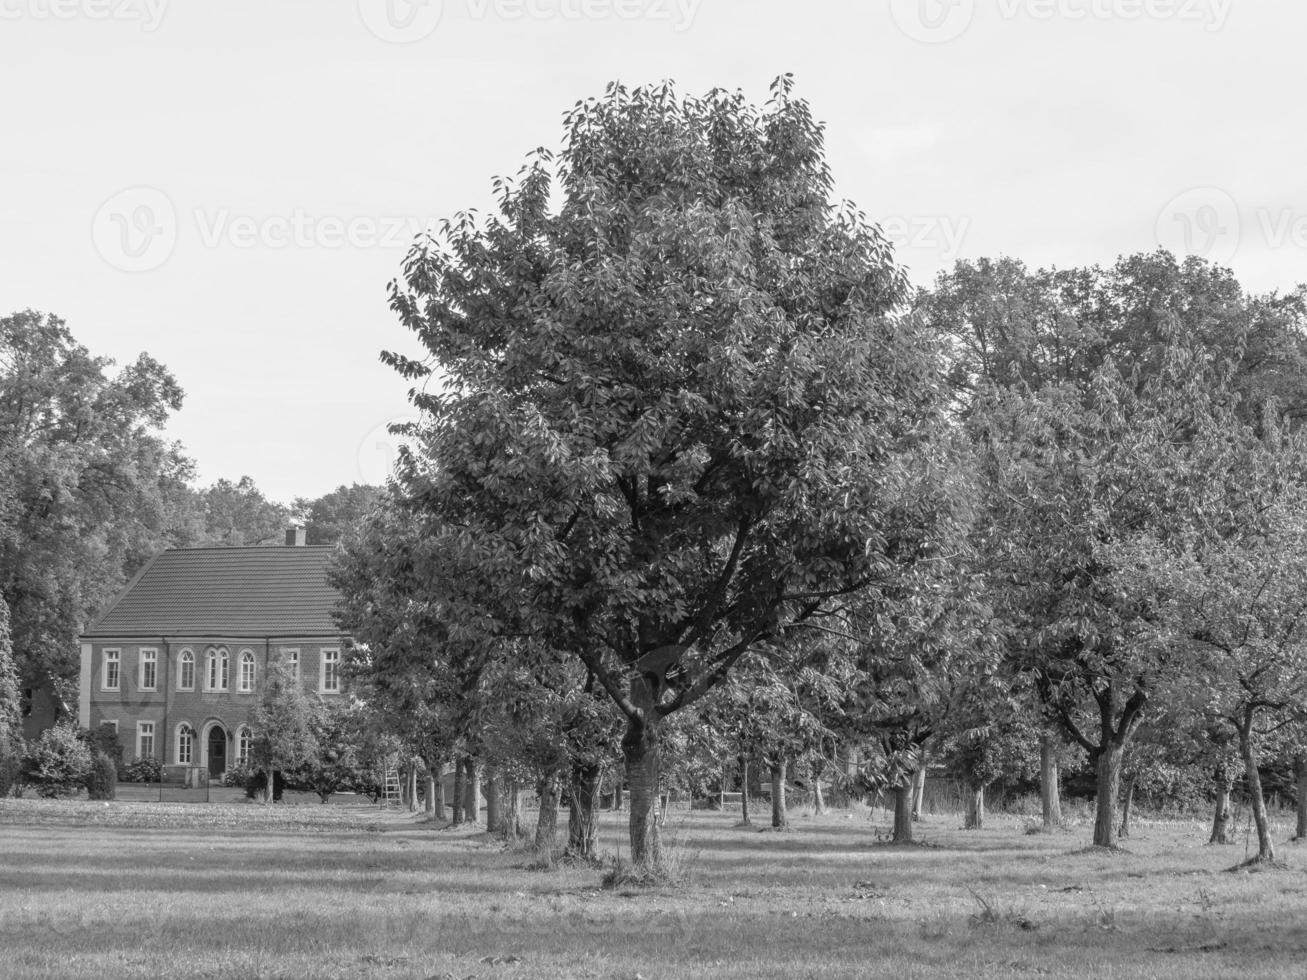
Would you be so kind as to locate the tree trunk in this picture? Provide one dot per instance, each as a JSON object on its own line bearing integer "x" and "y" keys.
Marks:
{"x": 643, "y": 757}
{"x": 919, "y": 786}
{"x": 744, "y": 792}
{"x": 1301, "y": 833}
{"x": 582, "y": 828}
{"x": 412, "y": 786}
{"x": 1127, "y": 806}
{"x": 429, "y": 797}
{"x": 1108, "y": 767}
{"x": 438, "y": 791}
{"x": 721, "y": 791}
{"x": 513, "y": 812}
{"x": 547, "y": 818}
{"x": 1221, "y": 817}
{"x": 472, "y": 787}
{"x": 975, "y": 819}
{"x": 903, "y": 813}
{"x": 458, "y": 792}
{"x": 1050, "y": 795}
{"x": 1265, "y": 846}
{"x": 494, "y": 814}
{"x": 780, "y": 816}
{"x": 818, "y": 804}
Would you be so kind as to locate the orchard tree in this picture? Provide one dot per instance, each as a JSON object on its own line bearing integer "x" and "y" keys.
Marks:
{"x": 665, "y": 402}
{"x": 1240, "y": 603}
{"x": 1078, "y": 475}
{"x": 284, "y": 726}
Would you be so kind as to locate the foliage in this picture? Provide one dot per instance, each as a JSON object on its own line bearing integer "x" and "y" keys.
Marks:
{"x": 284, "y": 723}
{"x": 673, "y": 410}
{"x": 141, "y": 771}
{"x": 331, "y": 518}
{"x": 101, "y": 777}
{"x": 11, "y": 710}
{"x": 237, "y": 514}
{"x": 58, "y": 762}
{"x": 88, "y": 490}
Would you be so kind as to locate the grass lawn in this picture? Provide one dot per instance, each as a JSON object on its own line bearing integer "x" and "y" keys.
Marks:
{"x": 240, "y": 890}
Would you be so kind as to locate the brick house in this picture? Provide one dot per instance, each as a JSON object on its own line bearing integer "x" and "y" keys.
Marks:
{"x": 175, "y": 663}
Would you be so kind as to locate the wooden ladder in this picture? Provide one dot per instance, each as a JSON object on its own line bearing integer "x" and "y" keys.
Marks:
{"x": 391, "y": 794}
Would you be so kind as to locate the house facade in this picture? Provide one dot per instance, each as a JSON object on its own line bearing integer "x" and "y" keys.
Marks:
{"x": 176, "y": 664}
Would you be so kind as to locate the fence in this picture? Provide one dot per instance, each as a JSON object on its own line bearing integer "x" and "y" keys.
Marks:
{"x": 177, "y": 784}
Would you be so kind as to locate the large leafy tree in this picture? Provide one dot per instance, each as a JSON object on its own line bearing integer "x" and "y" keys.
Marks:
{"x": 331, "y": 518}
{"x": 89, "y": 488}
{"x": 665, "y": 401}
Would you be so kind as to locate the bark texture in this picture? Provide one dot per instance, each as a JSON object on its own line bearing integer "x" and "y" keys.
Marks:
{"x": 1221, "y": 816}
{"x": 780, "y": 814}
{"x": 582, "y": 826}
{"x": 903, "y": 813}
{"x": 1050, "y": 795}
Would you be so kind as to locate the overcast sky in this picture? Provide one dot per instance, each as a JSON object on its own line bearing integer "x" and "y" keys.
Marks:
{"x": 230, "y": 185}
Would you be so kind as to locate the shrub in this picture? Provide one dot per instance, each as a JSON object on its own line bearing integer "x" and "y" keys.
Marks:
{"x": 258, "y": 783}
{"x": 58, "y": 762}
{"x": 11, "y": 769}
{"x": 102, "y": 780}
{"x": 141, "y": 771}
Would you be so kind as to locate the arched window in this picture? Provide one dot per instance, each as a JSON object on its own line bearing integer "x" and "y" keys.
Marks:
{"x": 186, "y": 671}
{"x": 216, "y": 669}
{"x": 185, "y": 745}
{"x": 247, "y": 671}
{"x": 243, "y": 740}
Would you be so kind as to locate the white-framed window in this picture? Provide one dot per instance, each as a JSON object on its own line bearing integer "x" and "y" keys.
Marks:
{"x": 245, "y": 679}
{"x": 186, "y": 671}
{"x": 185, "y": 744}
{"x": 290, "y": 656}
{"x": 329, "y": 682}
{"x": 217, "y": 665}
{"x": 145, "y": 740}
{"x": 244, "y": 738}
{"x": 149, "y": 677}
{"x": 112, "y": 677}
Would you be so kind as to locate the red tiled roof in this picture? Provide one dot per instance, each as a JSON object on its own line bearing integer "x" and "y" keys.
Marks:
{"x": 279, "y": 591}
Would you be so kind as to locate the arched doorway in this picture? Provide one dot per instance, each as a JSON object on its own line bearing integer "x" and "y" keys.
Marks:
{"x": 217, "y": 751}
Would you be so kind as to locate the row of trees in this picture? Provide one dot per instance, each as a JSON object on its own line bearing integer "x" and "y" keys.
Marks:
{"x": 699, "y": 478}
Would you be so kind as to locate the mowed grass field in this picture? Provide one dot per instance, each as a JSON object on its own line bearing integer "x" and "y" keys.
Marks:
{"x": 246, "y": 891}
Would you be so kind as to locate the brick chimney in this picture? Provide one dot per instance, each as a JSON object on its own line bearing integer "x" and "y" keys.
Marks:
{"x": 295, "y": 537}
